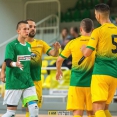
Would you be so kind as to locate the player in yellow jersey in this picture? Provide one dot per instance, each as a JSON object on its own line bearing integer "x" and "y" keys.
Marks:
{"x": 79, "y": 94}
{"x": 38, "y": 47}
{"x": 104, "y": 78}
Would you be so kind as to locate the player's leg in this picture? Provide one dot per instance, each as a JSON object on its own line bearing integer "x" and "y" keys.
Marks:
{"x": 112, "y": 90}
{"x": 88, "y": 102}
{"x": 75, "y": 102}
{"x": 100, "y": 86}
{"x": 11, "y": 98}
{"x": 107, "y": 112}
{"x": 30, "y": 100}
{"x": 38, "y": 86}
{"x": 99, "y": 91}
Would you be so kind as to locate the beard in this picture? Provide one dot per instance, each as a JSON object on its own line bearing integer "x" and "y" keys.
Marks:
{"x": 32, "y": 34}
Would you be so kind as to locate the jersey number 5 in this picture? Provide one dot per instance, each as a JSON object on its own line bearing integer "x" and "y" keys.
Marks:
{"x": 114, "y": 51}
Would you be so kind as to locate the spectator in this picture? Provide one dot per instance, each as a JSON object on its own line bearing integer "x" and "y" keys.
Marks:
{"x": 64, "y": 34}
{"x": 74, "y": 32}
{"x": 67, "y": 62}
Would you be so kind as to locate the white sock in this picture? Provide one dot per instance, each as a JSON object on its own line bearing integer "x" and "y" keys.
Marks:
{"x": 33, "y": 109}
{"x": 9, "y": 113}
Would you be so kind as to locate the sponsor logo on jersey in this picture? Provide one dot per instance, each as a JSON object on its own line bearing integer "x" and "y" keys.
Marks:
{"x": 92, "y": 38}
{"x": 39, "y": 45}
{"x": 33, "y": 55}
{"x": 23, "y": 57}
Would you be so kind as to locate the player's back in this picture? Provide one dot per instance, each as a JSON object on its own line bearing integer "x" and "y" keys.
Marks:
{"x": 77, "y": 54}
{"x": 107, "y": 42}
{"x": 80, "y": 74}
{"x": 104, "y": 39}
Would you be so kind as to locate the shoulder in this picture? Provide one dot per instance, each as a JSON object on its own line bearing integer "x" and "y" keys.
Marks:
{"x": 12, "y": 43}
{"x": 71, "y": 43}
{"x": 40, "y": 41}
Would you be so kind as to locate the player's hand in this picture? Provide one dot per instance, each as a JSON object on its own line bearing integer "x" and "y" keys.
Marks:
{"x": 57, "y": 45}
{"x": 18, "y": 64}
{"x": 2, "y": 76}
{"x": 59, "y": 75}
{"x": 83, "y": 48}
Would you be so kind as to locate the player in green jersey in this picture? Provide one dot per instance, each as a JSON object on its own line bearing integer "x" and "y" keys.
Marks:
{"x": 19, "y": 84}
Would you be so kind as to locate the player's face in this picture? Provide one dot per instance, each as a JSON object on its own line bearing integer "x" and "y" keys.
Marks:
{"x": 23, "y": 30}
{"x": 32, "y": 29}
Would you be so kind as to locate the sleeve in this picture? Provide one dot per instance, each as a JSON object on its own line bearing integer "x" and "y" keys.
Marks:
{"x": 93, "y": 40}
{"x": 9, "y": 52}
{"x": 67, "y": 51}
{"x": 46, "y": 48}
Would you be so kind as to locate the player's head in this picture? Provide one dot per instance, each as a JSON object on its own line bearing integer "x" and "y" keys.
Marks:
{"x": 86, "y": 26}
{"x": 32, "y": 27}
{"x": 22, "y": 29}
{"x": 102, "y": 12}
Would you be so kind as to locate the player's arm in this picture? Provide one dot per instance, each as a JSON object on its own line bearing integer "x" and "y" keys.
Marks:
{"x": 3, "y": 75}
{"x": 59, "y": 63}
{"x": 9, "y": 57}
{"x": 86, "y": 51}
{"x": 10, "y": 63}
{"x": 55, "y": 51}
{"x": 64, "y": 55}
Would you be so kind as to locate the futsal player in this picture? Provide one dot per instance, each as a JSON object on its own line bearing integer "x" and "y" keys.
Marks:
{"x": 19, "y": 84}
{"x": 104, "y": 78}
{"x": 79, "y": 93}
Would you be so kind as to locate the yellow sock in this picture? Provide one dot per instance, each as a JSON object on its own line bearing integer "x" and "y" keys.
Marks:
{"x": 107, "y": 113}
{"x": 77, "y": 116}
{"x": 27, "y": 114}
{"x": 100, "y": 113}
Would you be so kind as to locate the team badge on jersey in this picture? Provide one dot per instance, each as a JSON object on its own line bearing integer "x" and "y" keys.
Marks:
{"x": 29, "y": 49}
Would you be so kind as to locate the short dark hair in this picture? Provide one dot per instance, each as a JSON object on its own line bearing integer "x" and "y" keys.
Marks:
{"x": 87, "y": 25}
{"x": 75, "y": 29}
{"x": 21, "y": 22}
{"x": 30, "y": 20}
{"x": 103, "y": 8}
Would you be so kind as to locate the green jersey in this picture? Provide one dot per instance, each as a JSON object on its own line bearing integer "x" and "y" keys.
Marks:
{"x": 15, "y": 77}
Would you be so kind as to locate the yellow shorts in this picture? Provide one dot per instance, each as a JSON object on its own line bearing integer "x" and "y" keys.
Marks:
{"x": 103, "y": 88}
{"x": 79, "y": 98}
{"x": 38, "y": 86}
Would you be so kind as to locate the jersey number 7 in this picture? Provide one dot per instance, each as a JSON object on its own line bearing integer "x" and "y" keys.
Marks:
{"x": 114, "y": 51}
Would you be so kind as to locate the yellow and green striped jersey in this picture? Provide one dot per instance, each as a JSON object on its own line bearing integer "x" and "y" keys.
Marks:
{"x": 80, "y": 74}
{"x": 104, "y": 41}
{"x": 38, "y": 47}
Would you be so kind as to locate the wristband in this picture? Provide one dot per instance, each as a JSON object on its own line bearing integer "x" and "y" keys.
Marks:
{"x": 13, "y": 64}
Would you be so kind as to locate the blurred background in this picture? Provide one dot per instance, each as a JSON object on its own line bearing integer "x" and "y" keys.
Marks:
{"x": 56, "y": 20}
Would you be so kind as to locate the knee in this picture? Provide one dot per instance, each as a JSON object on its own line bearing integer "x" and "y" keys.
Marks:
{"x": 98, "y": 106}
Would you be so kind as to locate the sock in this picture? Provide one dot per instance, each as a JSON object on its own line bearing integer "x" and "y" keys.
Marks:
{"x": 33, "y": 109}
{"x": 9, "y": 113}
{"x": 27, "y": 114}
{"x": 77, "y": 116}
{"x": 100, "y": 113}
{"x": 107, "y": 113}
